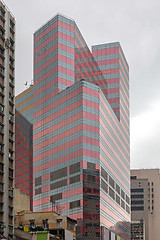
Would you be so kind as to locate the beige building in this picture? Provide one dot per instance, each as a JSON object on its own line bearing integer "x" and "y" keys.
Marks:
{"x": 145, "y": 204}
{"x": 7, "y": 110}
{"x": 57, "y": 225}
{"x": 21, "y": 201}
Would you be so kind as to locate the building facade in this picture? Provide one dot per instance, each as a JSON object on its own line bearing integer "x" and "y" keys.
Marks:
{"x": 7, "y": 39}
{"x": 79, "y": 110}
{"x": 61, "y": 226}
{"x": 145, "y": 197}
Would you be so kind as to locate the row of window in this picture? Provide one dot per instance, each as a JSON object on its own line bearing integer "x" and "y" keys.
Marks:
{"x": 74, "y": 168}
{"x": 114, "y": 185}
{"x": 10, "y": 154}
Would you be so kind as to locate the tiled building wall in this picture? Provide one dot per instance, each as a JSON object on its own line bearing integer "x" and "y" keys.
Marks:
{"x": 81, "y": 149}
{"x": 114, "y": 67}
{"x": 24, "y": 143}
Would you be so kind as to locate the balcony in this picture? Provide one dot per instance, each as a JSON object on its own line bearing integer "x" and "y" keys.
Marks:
{"x": 2, "y": 14}
{"x": 11, "y": 117}
{"x": 11, "y": 174}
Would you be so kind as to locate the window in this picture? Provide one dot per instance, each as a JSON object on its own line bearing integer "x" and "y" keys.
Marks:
{"x": 75, "y": 179}
{"x": 104, "y": 186}
{"x": 11, "y": 60}
{"x": 10, "y": 193}
{"x": 137, "y": 208}
{"x": 10, "y": 154}
{"x": 11, "y": 24}
{"x": 1, "y": 187}
{"x": 117, "y": 199}
{"x": 70, "y": 223}
{"x": 10, "y": 211}
{"x": 133, "y": 190}
{"x": 59, "y": 223}
{"x": 111, "y": 193}
{"x": 10, "y": 135}
{"x": 11, "y": 117}
{"x": 104, "y": 174}
{"x": 10, "y": 230}
{"x": 74, "y": 168}
{"x": 58, "y": 184}
{"x": 37, "y": 191}
{"x": 1, "y": 167}
{"x": 2, "y": 13}
{"x": 56, "y": 197}
{"x": 45, "y": 223}
{"x": 11, "y": 43}
{"x": 91, "y": 166}
{"x": 58, "y": 174}
{"x": 91, "y": 178}
{"x": 10, "y": 173}
{"x": 122, "y": 194}
{"x": 133, "y": 177}
{"x": 1, "y": 32}
{"x": 11, "y": 97}
{"x": 122, "y": 204}
{"x": 1, "y": 147}
{"x": 127, "y": 209}
{"x": 111, "y": 182}
{"x": 75, "y": 204}
{"x": 1, "y": 207}
{"x": 1, "y": 108}
{"x": 38, "y": 181}
{"x": 137, "y": 202}
{"x": 127, "y": 199}
{"x": 117, "y": 188}
{"x": 1, "y": 51}
{"x": 137, "y": 196}
{"x": 32, "y": 223}
{"x": 11, "y": 80}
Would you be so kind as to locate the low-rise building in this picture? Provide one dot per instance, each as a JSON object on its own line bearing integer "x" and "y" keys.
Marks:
{"x": 57, "y": 225}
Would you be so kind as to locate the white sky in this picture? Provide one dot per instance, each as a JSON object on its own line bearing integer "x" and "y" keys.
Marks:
{"x": 136, "y": 25}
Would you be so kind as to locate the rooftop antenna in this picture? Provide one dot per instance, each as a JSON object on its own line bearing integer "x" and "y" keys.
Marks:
{"x": 26, "y": 84}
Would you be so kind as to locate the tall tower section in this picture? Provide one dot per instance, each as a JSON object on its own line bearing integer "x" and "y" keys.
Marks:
{"x": 114, "y": 67}
{"x": 7, "y": 81}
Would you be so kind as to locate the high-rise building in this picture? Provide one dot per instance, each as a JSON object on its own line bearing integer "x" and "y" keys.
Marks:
{"x": 7, "y": 39}
{"x": 79, "y": 109}
{"x": 145, "y": 198}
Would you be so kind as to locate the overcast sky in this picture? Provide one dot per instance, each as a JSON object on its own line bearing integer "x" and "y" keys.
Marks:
{"x": 136, "y": 25}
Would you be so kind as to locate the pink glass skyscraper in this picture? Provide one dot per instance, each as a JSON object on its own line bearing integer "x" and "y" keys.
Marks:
{"x": 80, "y": 118}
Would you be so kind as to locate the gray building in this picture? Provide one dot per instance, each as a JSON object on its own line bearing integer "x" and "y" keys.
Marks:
{"x": 145, "y": 208}
{"x": 7, "y": 43}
